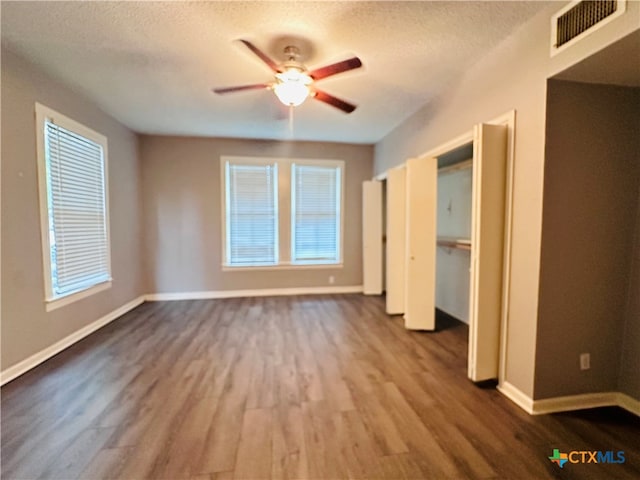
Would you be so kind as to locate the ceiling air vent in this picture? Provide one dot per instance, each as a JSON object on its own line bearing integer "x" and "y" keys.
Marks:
{"x": 579, "y": 18}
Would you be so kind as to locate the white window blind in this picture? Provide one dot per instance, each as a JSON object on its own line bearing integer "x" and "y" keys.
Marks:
{"x": 315, "y": 214}
{"x": 77, "y": 216}
{"x": 252, "y": 214}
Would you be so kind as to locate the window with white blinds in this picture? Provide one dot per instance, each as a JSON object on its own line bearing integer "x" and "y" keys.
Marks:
{"x": 315, "y": 214}
{"x": 281, "y": 213}
{"x": 75, "y": 224}
{"x": 251, "y": 214}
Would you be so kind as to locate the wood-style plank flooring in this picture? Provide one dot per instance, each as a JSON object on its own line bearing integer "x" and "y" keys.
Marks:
{"x": 288, "y": 387}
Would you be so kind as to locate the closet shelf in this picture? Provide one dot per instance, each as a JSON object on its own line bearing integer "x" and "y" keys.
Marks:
{"x": 451, "y": 242}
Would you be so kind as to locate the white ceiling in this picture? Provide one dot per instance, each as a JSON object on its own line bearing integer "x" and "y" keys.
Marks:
{"x": 152, "y": 65}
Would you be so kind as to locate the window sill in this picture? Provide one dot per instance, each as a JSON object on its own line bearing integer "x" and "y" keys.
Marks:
{"x": 58, "y": 302}
{"x": 282, "y": 266}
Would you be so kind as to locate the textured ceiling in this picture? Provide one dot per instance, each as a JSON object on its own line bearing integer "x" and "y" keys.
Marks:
{"x": 152, "y": 65}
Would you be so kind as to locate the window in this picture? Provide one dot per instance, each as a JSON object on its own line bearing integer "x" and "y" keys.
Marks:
{"x": 72, "y": 162}
{"x": 315, "y": 214}
{"x": 252, "y": 214}
{"x": 282, "y": 212}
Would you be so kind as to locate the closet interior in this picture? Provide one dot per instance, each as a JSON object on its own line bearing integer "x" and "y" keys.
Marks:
{"x": 453, "y": 253}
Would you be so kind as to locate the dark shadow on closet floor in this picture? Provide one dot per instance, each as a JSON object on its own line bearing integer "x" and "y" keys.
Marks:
{"x": 444, "y": 321}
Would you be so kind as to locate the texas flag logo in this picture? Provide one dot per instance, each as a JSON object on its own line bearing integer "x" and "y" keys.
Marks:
{"x": 559, "y": 458}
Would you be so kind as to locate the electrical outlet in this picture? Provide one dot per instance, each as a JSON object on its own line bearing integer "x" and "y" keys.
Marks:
{"x": 585, "y": 361}
{"x": 332, "y": 279}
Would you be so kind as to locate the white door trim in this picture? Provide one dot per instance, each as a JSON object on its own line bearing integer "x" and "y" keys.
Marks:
{"x": 509, "y": 120}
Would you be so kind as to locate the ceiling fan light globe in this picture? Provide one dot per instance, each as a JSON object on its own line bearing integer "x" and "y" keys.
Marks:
{"x": 291, "y": 93}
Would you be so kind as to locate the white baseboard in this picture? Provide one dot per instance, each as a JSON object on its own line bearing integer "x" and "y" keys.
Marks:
{"x": 629, "y": 403}
{"x": 569, "y": 402}
{"x": 575, "y": 402}
{"x": 37, "y": 358}
{"x": 514, "y": 394}
{"x": 268, "y": 292}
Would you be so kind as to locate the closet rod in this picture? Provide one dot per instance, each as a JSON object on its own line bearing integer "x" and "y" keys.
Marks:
{"x": 459, "y": 243}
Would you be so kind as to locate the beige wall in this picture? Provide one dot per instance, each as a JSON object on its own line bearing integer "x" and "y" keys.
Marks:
{"x": 592, "y": 176}
{"x": 26, "y": 327}
{"x": 182, "y": 213}
{"x": 629, "y": 382}
{"x": 512, "y": 76}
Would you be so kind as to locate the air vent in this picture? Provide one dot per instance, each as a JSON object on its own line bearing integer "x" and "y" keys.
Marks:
{"x": 579, "y": 18}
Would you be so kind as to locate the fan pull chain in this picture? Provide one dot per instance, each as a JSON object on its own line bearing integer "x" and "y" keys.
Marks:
{"x": 291, "y": 120}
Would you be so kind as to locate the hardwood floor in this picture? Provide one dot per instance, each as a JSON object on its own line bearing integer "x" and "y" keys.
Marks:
{"x": 284, "y": 387}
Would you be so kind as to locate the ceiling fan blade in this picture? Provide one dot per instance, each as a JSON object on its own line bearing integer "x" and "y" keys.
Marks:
{"x": 346, "y": 107}
{"x": 263, "y": 56}
{"x": 335, "y": 68}
{"x": 257, "y": 86}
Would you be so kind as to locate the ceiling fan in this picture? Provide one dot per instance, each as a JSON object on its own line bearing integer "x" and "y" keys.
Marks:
{"x": 294, "y": 83}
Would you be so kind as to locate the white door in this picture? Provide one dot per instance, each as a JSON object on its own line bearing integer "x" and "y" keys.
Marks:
{"x": 372, "y": 237}
{"x": 396, "y": 239}
{"x": 420, "y": 274}
{"x": 487, "y": 247}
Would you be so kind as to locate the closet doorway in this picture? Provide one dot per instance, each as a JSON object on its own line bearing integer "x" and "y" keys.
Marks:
{"x": 453, "y": 252}
{"x": 436, "y": 234}
{"x": 474, "y": 281}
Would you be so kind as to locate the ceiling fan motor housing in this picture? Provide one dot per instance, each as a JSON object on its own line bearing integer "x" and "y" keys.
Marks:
{"x": 291, "y": 52}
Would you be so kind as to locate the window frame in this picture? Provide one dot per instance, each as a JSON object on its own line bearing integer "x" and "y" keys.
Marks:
{"x": 44, "y": 114}
{"x": 284, "y": 212}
